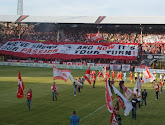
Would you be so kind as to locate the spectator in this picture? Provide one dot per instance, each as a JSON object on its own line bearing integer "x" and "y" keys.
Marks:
{"x": 29, "y": 98}
{"x": 134, "y": 102}
{"x": 144, "y": 96}
{"x": 74, "y": 119}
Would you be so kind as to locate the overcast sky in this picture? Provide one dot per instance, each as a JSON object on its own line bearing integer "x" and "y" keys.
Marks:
{"x": 85, "y": 7}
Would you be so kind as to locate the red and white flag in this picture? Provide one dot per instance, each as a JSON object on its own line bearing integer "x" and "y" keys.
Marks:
{"x": 138, "y": 85}
{"x": 113, "y": 120}
{"x": 95, "y": 37}
{"x": 88, "y": 75}
{"x": 20, "y": 89}
{"x": 125, "y": 103}
{"x": 74, "y": 80}
{"x": 128, "y": 92}
{"x": 61, "y": 74}
{"x": 108, "y": 97}
{"x": 148, "y": 76}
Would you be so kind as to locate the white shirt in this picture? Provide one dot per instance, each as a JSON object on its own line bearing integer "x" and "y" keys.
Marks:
{"x": 138, "y": 96}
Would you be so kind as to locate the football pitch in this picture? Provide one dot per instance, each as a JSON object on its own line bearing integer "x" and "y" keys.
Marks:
{"x": 89, "y": 103}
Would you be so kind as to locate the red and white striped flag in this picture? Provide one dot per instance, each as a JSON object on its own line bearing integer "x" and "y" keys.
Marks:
{"x": 125, "y": 103}
{"x": 20, "y": 89}
{"x": 113, "y": 120}
{"x": 74, "y": 80}
{"x": 128, "y": 92}
{"x": 108, "y": 97}
{"x": 148, "y": 76}
{"x": 61, "y": 74}
{"x": 88, "y": 75}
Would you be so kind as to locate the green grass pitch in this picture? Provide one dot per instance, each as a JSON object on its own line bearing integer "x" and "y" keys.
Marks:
{"x": 89, "y": 103}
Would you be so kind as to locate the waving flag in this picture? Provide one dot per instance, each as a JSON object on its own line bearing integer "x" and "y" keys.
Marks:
{"x": 125, "y": 103}
{"x": 88, "y": 75}
{"x": 74, "y": 80}
{"x": 108, "y": 97}
{"x": 138, "y": 85}
{"x": 148, "y": 76}
{"x": 128, "y": 92}
{"x": 95, "y": 37}
{"x": 20, "y": 89}
{"x": 61, "y": 74}
{"x": 113, "y": 120}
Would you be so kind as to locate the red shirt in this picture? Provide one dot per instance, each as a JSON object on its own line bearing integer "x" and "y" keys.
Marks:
{"x": 157, "y": 87}
{"x": 116, "y": 108}
{"x": 118, "y": 75}
{"x": 29, "y": 95}
{"x": 113, "y": 75}
{"x": 121, "y": 75}
{"x": 161, "y": 83}
{"x": 54, "y": 87}
{"x": 107, "y": 74}
{"x": 94, "y": 78}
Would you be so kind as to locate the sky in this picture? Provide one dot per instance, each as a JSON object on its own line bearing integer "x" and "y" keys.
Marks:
{"x": 85, "y": 7}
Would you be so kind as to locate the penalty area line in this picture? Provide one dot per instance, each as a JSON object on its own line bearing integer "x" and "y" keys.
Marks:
{"x": 94, "y": 111}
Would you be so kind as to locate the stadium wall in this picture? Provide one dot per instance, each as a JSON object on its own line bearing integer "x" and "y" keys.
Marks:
{"x": 45, "y": 65}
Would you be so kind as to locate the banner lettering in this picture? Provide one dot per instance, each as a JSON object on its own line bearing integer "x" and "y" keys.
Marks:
{"x": 49, "y": 50}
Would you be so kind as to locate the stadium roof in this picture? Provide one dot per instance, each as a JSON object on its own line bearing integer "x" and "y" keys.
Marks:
{"x": 83, "y": 19}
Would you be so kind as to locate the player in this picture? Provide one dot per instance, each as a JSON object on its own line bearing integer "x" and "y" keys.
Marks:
{"x": 125, "y": 76}
{"x": 94, "y": 80}
{"x": 118, "y": 76}
{"x": 113, "y": 74}
{"x": 131, "y": 76}
{"x": 107, "y": 74}
{"x": 121, "y": 75}
{"x": 161, "y": 84}
{"x": 136, "y": 74}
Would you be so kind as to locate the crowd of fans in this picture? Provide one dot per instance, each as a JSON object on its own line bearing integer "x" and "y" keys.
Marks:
{"x": 73, "y": 33}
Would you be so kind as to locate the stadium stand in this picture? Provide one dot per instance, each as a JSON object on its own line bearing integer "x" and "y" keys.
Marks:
{"x": 149, "y": 34}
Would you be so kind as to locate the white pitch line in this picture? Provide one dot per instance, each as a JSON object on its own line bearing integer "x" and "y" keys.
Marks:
{"x": 94, "y": 111}
{"x": 7, "y": 124}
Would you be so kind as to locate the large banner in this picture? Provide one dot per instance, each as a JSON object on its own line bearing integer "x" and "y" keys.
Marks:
{"x": 50, "y": 50}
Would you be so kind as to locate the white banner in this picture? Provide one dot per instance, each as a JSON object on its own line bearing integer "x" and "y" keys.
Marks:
{"x": 90, "y": 64}
{"x": 115, "y": 67}
{"x": 125, "y": 67}
{"x": 102, "y": 64}
{"x": 151, "y": 39}
{"x": 49, "y": 50}
{"x": 152, "y": 70}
